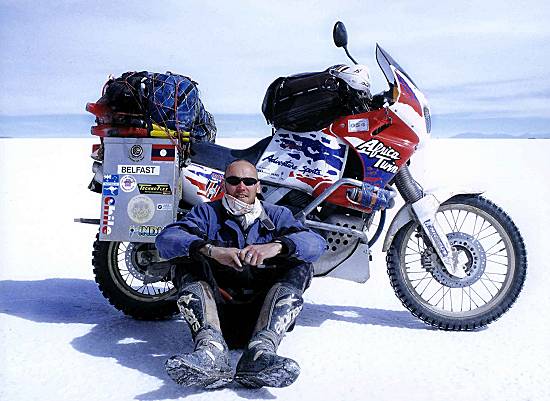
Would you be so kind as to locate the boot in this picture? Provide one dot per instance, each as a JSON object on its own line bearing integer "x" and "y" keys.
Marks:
{"x": 208, "y": 365}
{"x": 260, "y": 365}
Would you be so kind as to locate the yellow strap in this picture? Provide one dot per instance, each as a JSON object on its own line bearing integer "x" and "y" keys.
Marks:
{"x": 162, "y": 132}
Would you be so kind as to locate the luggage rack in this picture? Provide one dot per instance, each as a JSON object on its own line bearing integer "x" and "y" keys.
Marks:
{"x": 127, "y": 125}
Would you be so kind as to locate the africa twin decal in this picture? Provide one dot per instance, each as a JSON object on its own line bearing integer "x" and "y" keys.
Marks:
{"x": 385, "y": 156}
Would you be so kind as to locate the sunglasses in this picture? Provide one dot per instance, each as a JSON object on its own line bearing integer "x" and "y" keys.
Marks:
{"x": 248, "y": 181}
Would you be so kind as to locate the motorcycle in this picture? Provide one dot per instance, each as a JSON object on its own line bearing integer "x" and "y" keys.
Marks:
{"x": 455, "y": 259}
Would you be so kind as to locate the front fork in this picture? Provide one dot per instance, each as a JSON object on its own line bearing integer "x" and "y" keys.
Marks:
{"x": 424, "y": 208}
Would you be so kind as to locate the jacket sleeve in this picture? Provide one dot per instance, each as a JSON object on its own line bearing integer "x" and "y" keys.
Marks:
{"x": 301, "y": 242}
{"x": 186, "y": 236}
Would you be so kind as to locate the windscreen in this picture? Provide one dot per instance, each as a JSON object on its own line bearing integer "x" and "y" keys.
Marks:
{"x": 384, "y": 61}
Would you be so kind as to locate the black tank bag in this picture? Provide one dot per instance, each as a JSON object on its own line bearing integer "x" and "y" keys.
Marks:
{"x": 305, "y": 102}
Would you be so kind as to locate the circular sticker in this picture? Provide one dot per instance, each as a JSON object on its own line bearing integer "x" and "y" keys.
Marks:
{"x": 141, "y": 209}
{"x": 136, "y": 153}
{"x": 128, "y": 183}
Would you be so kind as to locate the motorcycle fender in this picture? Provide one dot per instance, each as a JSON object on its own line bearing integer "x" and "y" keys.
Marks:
{"x": 406, "y": 214}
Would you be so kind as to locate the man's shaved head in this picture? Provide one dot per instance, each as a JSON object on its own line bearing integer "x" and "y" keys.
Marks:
{"x": 241, "y": 162}
{"x": 242, "y": 169}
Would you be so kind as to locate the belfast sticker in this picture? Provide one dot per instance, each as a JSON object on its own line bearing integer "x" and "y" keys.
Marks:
{"x": 141, "y": 209}
{"x": 128, "y": 183}
{"x": 142, "y": 170}
{"x": 155, "y": 189}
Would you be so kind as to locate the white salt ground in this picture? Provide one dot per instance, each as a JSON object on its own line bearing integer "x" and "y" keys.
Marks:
{"x": 60, "y": 340}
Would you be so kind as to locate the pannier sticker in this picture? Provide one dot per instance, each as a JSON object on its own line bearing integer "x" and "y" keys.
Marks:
{"x": 108, "y": 215}
{"x": 164, "y": 206}
{"x": 141, "y": 209}
{"x": 136, "y": 153}
{"x": 155, "y": 189}
{"x": 358, "y": 125}
{"x": 110, "y": 184}
{"x": 144, "y": 231}
{"x": 163, "y": 153}
{"x": 128, "y": 183}
{"x": 138, "y": 170}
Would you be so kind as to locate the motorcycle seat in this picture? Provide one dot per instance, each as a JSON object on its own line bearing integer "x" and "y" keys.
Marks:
{"x": 218, "y": 157}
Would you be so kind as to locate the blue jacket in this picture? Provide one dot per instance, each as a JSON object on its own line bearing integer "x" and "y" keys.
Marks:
{"x": 210, "y": 223}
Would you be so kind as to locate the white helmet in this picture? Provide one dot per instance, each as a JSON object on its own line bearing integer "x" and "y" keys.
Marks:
{"x": 357, "y": 77}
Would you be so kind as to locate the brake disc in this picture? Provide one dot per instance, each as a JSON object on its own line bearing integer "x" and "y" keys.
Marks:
{"x": 137, "y": 258}
{"x": 469, "y": 257}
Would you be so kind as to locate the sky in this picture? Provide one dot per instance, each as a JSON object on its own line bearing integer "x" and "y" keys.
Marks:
{"x": 472, "y": 59}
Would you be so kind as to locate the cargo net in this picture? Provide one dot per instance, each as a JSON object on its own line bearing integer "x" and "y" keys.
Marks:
{"x": 141, "y": 104}
{"x": 174, "y": 105}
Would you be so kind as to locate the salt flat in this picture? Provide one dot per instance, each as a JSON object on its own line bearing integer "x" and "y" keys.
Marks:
{"x": 60, "y": 340}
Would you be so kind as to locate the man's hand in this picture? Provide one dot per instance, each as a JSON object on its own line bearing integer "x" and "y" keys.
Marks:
{"x": 224, "y": 256}
{"x": 255, "y": 255}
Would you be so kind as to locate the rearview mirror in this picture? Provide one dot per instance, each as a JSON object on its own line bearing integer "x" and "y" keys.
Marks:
{"x": 340, "y": 35}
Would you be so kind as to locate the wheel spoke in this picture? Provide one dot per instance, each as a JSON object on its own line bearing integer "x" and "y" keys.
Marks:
{"x": 443, "y": 297}
{"x": 482, "y": 281}
{"x": 498, "y": 263}
{"x": 413, "y": 250}
{"x": 434, "y": 294}
{"x": 480, "y": 297}
{"x": 471, "y": 298}
{"x": 499, "y": 242}
{"x": 446, "y": 219}
{"x": 492, "y": 281}
{"x": 482, "y": 229}
{"x": 463, "y": 221}
{"x": 420, "y": 280}
{"x": 454, "y": 229}
{"x": 489, "y": 291}
{"x": 427, "y": 285}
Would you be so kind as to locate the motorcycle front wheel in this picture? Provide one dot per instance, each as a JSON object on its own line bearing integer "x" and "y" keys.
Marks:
{"x": 119, "y": 269}
{"x": 491, "y": 268}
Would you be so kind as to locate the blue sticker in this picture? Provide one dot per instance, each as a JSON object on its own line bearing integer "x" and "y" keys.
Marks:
{"x": 110, "y": 189}
{"x": 110, "y": 184}
{"x": 110, "y": 179}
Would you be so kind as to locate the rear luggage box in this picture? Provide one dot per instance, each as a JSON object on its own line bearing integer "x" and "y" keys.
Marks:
{"x": 141, "y": 188}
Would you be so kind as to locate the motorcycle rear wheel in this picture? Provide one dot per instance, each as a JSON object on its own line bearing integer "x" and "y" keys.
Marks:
{"x": 119, "y": 276}
{"x": 493, "y": 262}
